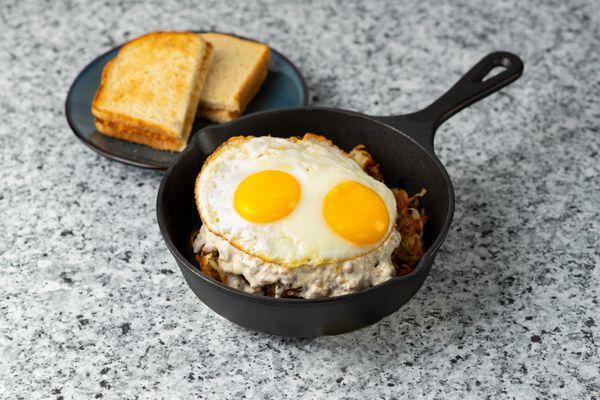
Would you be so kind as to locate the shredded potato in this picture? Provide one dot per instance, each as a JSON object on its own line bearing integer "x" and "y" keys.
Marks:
{"x": 410, "y": 224}
{"x": 364, "y": 159}
{"x": 209, "y": 265}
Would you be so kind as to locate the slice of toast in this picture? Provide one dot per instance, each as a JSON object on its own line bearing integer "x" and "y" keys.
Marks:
{"x": 149, "y": 92}
{"x": 238, "y": 69}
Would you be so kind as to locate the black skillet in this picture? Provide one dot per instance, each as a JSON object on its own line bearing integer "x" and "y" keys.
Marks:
{"x": 403, "y": 145}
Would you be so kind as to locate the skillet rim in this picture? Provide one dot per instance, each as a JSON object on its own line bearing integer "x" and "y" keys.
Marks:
{"x": 425, "y": 261}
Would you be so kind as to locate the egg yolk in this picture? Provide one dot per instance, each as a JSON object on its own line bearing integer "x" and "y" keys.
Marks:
{"x": 266, "y": 196}
{"x": 356, "y": 213}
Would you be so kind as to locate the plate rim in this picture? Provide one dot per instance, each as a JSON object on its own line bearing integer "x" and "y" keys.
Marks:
{"x": 153, "y": 165}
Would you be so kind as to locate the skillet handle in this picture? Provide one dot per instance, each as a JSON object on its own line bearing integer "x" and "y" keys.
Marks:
{"x": 471, "y": 88}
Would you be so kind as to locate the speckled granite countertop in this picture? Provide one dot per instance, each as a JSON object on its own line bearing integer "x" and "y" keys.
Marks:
{"x": 93, "y": 305}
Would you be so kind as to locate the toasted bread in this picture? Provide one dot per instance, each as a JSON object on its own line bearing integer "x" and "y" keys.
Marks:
{"x": 149, "y": 92}
{"x": 238, "y": 69}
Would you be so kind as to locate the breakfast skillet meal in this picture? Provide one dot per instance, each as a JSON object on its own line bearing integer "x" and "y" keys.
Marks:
{"x": 299, "y": 217}
{"x": 295, "y": 217}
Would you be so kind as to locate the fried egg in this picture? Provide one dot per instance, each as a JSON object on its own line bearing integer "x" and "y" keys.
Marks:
{"x": 293, "y": 201}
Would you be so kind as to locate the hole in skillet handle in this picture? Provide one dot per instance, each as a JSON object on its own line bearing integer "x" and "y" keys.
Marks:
{"x": 477, "y": 83}
{"x": 494, "y": 71}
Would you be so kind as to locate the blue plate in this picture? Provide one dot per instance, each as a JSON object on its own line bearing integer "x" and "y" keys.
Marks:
{"x": 284, "y": 87}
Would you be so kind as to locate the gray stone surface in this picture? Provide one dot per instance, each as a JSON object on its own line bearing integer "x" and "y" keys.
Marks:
{"x": 92, "y": 304}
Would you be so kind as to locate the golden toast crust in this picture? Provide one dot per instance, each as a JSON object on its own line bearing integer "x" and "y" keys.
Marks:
{"x": 123, "y": 132}
{"x": 219, "y": 116}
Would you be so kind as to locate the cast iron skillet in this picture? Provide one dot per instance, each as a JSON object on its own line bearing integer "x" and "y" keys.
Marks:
{"x": 403, "y": 145}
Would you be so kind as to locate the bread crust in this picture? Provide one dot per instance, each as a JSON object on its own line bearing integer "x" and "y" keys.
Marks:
{"x": 197, "y": 92}
{"x": 124, "y": 132}
{"x": 218, "y": 115}
{"x": 253, "y": 82}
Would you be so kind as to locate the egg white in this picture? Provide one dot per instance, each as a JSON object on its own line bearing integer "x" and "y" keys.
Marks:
{"x": 302, "y": 237}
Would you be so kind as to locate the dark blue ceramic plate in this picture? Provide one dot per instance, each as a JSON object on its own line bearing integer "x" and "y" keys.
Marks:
{"x": 284, "y": 87}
